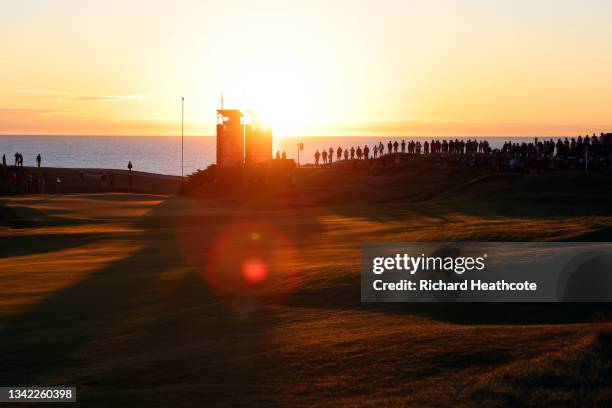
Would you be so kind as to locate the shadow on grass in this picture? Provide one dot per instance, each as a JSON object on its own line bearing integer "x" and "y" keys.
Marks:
{"x": 22, "y": 216}
{"x": 47, "y": 336}
{"x": 135, "y": 309}
{"x": 121, "y": 197}
{"x": 442, "y": 191}
{"x": 535, "y": 206}
{"x": 38, "y": 244}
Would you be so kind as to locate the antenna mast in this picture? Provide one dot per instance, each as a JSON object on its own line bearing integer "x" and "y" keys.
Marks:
{"x": 182, "y": 136}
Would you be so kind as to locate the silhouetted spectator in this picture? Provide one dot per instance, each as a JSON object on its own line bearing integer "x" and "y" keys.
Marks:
{"x": 38, "y": 160}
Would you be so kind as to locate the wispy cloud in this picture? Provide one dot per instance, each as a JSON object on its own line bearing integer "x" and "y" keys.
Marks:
{"x": 71, "y": 96}
{"x": 18, "y": 121}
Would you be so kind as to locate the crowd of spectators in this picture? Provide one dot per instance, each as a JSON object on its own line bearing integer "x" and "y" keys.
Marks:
{"x": 592, "y": 153}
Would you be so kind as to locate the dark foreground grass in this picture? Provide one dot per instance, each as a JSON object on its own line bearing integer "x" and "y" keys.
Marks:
{"x": 577, "y": 375}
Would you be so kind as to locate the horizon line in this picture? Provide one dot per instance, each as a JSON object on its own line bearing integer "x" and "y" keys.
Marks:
{"x": 308, "y": 136}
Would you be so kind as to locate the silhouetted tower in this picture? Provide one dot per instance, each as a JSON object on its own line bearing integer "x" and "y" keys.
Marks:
{"x": 258, "y": 139}
{"x": 241, "y": 139}
{"x": 230, "y": 137}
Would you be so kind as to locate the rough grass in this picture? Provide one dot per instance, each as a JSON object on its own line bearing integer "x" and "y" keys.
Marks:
{"x": 579, "y": 374}
{"x": 110, "y": 293}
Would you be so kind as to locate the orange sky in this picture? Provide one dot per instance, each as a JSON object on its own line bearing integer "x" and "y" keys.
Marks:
{"x": 311, "y": 68}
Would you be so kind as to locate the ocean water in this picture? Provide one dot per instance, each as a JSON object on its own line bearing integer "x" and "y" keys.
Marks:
{"x": 162, "y": 154}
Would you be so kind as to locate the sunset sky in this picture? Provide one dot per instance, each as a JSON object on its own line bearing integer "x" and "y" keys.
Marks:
{"x": 310, "y": 67}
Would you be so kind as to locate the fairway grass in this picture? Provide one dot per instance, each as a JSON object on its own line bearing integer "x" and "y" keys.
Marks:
{"x": 111, "y": 293}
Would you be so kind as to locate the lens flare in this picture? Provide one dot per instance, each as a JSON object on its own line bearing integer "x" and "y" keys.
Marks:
{"x": 254, "y": 270}
{"x": 247, "y": 265}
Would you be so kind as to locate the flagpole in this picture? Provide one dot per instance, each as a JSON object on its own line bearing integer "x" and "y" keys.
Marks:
{"x": 182, "y": 135}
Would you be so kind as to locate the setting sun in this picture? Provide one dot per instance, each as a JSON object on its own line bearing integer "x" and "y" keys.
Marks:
{"x": 393, "y": 68}
{"x": 282, "y": 94}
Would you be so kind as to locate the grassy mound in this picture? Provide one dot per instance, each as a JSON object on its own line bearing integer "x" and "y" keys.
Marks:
{"x": 474, "y": 190}
{"x": 580, "y": 374}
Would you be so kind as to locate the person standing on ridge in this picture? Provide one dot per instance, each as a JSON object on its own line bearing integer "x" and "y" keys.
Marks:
{"x": 38, "y": 160}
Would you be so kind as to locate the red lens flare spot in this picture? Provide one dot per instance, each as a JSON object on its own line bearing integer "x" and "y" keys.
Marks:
{"x": 254, "y": 270}
{"x": 248, "y": 264}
